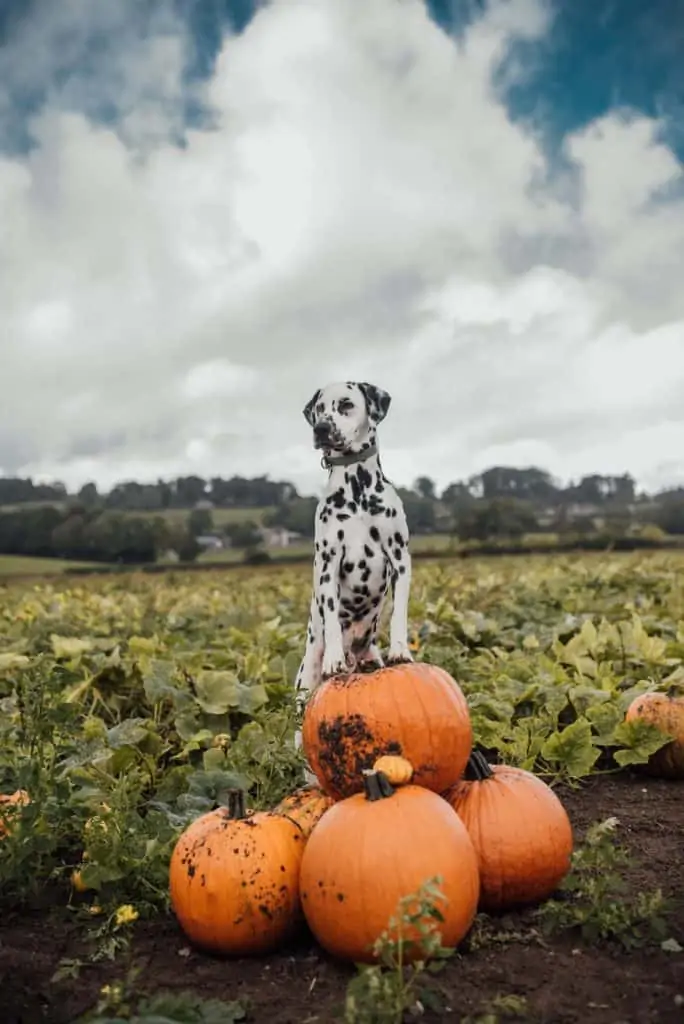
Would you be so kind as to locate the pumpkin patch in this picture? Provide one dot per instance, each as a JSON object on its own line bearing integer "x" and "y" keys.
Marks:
{"x": 139, "y": 705}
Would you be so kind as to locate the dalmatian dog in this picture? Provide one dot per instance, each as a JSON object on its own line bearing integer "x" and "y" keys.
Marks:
{"x": 361, "y": 541}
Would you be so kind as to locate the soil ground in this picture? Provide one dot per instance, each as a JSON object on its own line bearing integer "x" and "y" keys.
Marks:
{"x": 563, "y": 981}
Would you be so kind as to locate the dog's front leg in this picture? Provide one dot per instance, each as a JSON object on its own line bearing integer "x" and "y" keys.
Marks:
{"x": 309, "y": 674}
{"x": 327, "y": 568}
{"x": 401, "y": 586}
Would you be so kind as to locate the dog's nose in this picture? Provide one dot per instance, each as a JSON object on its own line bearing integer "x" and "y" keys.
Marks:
{"x": 321, "y": 431}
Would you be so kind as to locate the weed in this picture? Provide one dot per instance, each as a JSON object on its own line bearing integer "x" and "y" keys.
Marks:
{"x": 597, "y": 903}
{"x": 384, "y": 992}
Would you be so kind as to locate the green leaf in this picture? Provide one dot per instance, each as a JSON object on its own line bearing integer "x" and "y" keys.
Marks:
{"x": 586, "y": 698}
{"x": 604, "y": 718}
{"x": 131, "y": 732}
{"x": 10, "y": 661}
{"x": 158, "y": 683}
{"x": 572, "y": 749}
{"x": 214, "y": 759}
{"x": 68, "y": 647}
{"x": 639, "y": 739}
{"x": 217, "y": 692}
{"x": 251, "y": 742}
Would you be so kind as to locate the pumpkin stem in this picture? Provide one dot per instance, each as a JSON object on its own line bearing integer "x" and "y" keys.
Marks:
{"x": 376, "y": 785}
{"x": 236, "y": 804}
{"x": 477, "y": 769}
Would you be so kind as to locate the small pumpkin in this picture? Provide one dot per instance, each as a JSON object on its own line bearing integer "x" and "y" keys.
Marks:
{"x": 666, "y": 712}
{"x": 9, "y": 804}
{"x": 371, "y": 850}
{"x": 234, "y": 879}
{"x": 415, "y": 710}
{"x": 77, "y": 880}
{"x": 305, "y": 807}
{"x": 520, "y": 830}
{"x": 398, "y": 770}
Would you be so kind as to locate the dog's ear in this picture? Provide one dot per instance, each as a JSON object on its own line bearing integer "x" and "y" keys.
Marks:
{"x": 377, "y": 402}
{"x": 309, "y": 408}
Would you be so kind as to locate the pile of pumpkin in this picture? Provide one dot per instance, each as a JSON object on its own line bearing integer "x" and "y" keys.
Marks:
{"x": 402, "y": 798}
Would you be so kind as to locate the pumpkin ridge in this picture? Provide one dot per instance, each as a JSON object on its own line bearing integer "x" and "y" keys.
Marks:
{"x": 359, "y": 887}
{"x": 490, "y": 793}
{"x": 427, "y": 720}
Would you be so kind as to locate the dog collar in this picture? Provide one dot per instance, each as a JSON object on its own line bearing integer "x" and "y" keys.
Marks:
{"x": 330, "y": 461}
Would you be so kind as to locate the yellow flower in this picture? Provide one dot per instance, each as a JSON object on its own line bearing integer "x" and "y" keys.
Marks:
{"x": 125, "y": 914}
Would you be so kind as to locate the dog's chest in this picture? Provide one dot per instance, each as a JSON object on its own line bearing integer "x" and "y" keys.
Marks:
{"x": 357, "y": 497}
{"x": 363, "y": 575}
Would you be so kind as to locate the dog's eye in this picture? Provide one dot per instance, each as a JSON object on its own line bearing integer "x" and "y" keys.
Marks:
{"x": 345, "y": 405}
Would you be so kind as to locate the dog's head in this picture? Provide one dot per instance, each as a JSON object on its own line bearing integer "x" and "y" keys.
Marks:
{"x": 344, "y": 416}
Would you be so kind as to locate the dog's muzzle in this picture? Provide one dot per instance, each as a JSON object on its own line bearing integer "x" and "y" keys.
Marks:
{"x": 322, "y": 435}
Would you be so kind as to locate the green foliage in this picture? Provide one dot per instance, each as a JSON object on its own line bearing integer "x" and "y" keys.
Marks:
{"x": 124, "y": 719}
{"x": 118, "y": 1004}
{"x": 129, "y": 707}
{"x": 296, "y": 515}
{"x": 498, "y": 517}
{"x": 500, "y": 1009}
{"x": 200, "y": 520}
{"x": 597, "y": 903}
{"x": 382, "y": 993}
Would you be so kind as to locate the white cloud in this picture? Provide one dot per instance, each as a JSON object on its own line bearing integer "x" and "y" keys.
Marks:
{"x": 362, "y": 207}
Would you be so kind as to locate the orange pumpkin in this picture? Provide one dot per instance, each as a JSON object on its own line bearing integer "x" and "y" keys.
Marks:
{"x": 519, "y": 828}
{"x": 234, "y": 879}
{"x": 666, "y": 711}
{"x": 415, "y": 710}
{"x": 398, "y": 770}
{"x": 9, "y": 803}
{"x": 375, "y": 848}
{"x": 305, "y": 807}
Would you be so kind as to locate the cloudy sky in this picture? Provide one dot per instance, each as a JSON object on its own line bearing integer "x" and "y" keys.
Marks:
{"x": 209, "y": 210}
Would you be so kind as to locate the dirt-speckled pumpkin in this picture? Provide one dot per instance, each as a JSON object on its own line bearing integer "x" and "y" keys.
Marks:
{"x": 234, "y": 879}
{"x": 519, "y": 828}
{"x": 305, "y": 807}
{"x": 414, "y": 710}
{"x": 666, "y": 712}
{"x": 375, "y": 848}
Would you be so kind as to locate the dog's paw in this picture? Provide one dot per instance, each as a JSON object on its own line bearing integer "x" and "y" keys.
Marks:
{"x": 399, "y": 654}
{"x": 370, "y": 664}
{"x": 366, "y": 667}
{"x": 334, "y": 666}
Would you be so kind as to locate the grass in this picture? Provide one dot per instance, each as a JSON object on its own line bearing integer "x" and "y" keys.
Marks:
{"x": 21, "y": 565}
{"x": 221, "y": 516}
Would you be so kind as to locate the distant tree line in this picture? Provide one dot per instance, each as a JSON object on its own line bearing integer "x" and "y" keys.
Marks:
{"x": 184, "y": 493}
{"x": 93, "y": 535}
{"x": 127, "y": 524}
{"x": 508, "y": 502}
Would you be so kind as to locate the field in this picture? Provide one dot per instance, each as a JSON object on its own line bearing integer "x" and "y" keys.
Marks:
{"x": 18, "y": 565}
{"x": 220, "y": 516}
{"x": 130, "y": 705}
